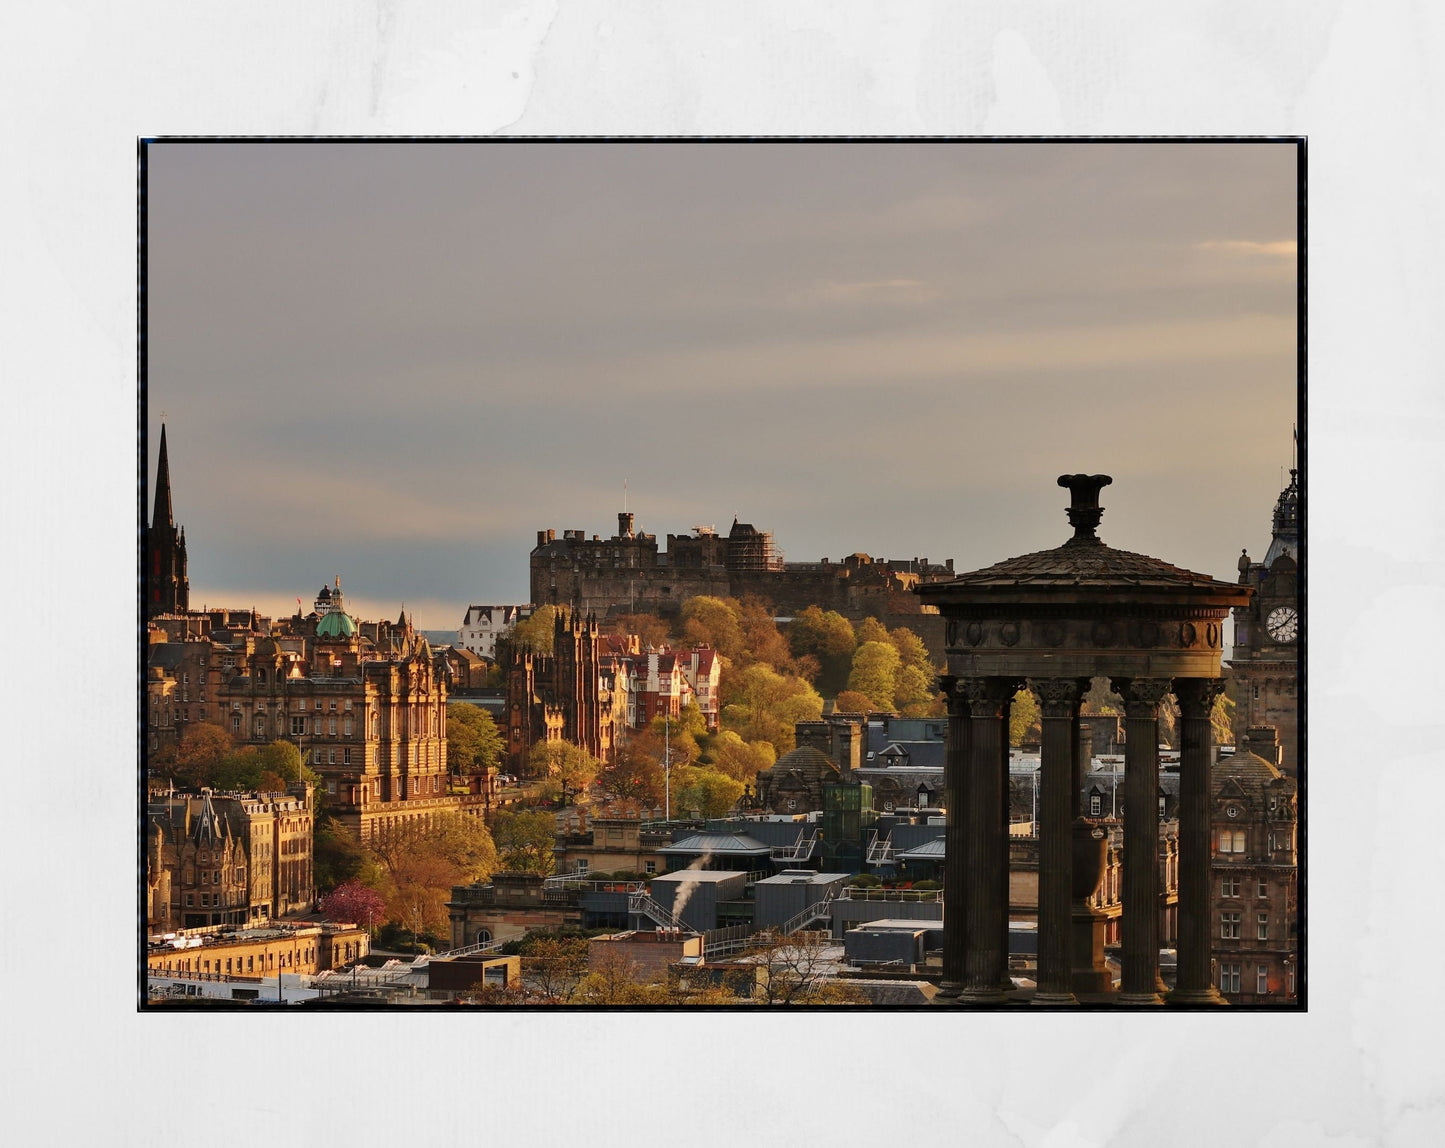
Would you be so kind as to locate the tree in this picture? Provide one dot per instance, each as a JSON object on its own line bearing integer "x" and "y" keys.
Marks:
{"x": 828, "y": 637}
{"x": 568, "y": 764}
{"x": 463, "y": 844}
{"x": 875, "y": 672}
{"x": 709, "y": 792}
{"x": 338, "y": 857}
{"x": 1023, "y": 716}
{"x": 795, "y": 970}
{"x": 852, "y": 702}
{"x": 761, "y": 704}
{"x": 525, "y": 840}
{"x": 474, "y": 743}
{"x": 739, "y": 759}
{"x": 916, "y": 694}
{"x": 651, "y": 629}
{"x": 871, "y": 630}
{"x": 634, "y": 775}
{"x": 715, "y": 622}
{"x": 536, "y": 632}
{"x": 554, "y": 966}
{"x": 203, "y": 747}
{"x": 355, "y": 903}
{"x": 762, "y": 641}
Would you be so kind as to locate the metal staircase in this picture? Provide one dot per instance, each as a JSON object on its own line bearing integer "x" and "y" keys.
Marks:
{"x": 814, "y": 912}
{"x": 880, "y": 852}
{"x": 641, "y": 905}
{"x": 800, "y": 850}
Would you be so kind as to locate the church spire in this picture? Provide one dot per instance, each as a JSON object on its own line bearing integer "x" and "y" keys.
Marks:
{"x": 162, "y": 513}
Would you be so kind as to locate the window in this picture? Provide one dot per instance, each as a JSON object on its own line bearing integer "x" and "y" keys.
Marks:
{"x": 316, "y": 725}
{"x": 1229, "y": 927}
{"x": 650, "y": 867}
{"x": 582, "y": 865}
{"x": 318, "y": 703}
{"x": 346, "y": 757}
{"x": 332, "y": 707}
{"x": 190, "y": 900}
{"x": 347, "y": 705}
{"x": 1096, "y": 804}
{"x": 205, "y": 899}
{"x": 1161, "y": 805}
{"x": 1229, "y": 887}
{"x": 346, "y": 727}
{"x": 1264, "y": 926}
{"x": 1239, "y": 840}
{"x": 216, "y": 877}
{"x": 1263, "y": 889}
{"x": 331, "y": 727}
{"x": 235, "y": 705}
{"x": 298, "y": 726}
{"x": 1229, "y": 978}
{"x": 236, "y": 722}
{"x": 1261, "y": 983}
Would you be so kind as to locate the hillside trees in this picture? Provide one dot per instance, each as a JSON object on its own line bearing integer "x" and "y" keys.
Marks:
{"x": 474, "y": 743}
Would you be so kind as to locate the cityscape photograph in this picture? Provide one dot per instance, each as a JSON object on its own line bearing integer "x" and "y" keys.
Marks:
{"x": 747, "y": 574}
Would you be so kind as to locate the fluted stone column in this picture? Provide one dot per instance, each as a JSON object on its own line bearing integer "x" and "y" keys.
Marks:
{"x": 1005, "y": 812}
{"x": 955, "y": 857}
{"x": 986, "y": 902}
{"x": 1195, "y": 985}
{"x": 1140, "y": 985}
{"x": 1060, "y": 699}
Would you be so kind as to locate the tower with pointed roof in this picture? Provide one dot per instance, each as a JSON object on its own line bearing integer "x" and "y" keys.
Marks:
{"x": 1267, "y": 634}
{"x": 167, "y": 590}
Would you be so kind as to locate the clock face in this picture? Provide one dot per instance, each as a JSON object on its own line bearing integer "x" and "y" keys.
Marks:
{"x": 1231, "y": 811}
{"x": 1282, "y": 624}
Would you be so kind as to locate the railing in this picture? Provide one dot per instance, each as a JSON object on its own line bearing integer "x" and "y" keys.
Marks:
{"x": 880, "y": 852}
{"x": 853, "y": 893}
{"x": 812, "y": 913}
{"x": 721, "y": 942}
{"x": 799, "y": 850}
{"x": 641, "y": 905}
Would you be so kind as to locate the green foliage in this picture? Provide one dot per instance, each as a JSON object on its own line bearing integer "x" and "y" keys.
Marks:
{"x": 565, "y": 763}
{"x": 911, "y": 650}
{"x": 828, "y": 637}
{"x": 875, "y": 672}
{"x": 739, "y": 759}
{"x": 871, "y": 630}
{"x": 716, "y": 622}
{"x": 761, "y": 704}
{"x": 474, "y": 743}
{"x": 536, "y": 633}
{"x": 916, "y": 694}
{"x": 709, "y": 792}
{"x": 337, "y": 856}
{"x": 524, "y": 840}
{"x": 1023, "y": 716}
{"x": 866, "y": 881}
{"x": 762, "y": 641}
{"x": 267, "y": 769}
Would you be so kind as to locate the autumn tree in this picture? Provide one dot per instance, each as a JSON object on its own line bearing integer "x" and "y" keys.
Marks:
{"x": 634, "y": 774}
{"x": 567, "y": 764}
{"x": 871, "y": 630}
{"x": 651, "y": 629}
{"x": 739, "y": 759}
{"x": 710, "y": 793}
{"x": 1023, "y": 718}
{"x": 203, "y": 747}
{"x": 474, "y": 743}
{"x": 423, "y": 861}
{"x": 828, "y": 637}
{"x": 762, "y": 641}
{"x": 355, "y": 903}
{"x": 525, "y": 840}
{"x": 715, "y": 622}
{"x": 875, "y": 672}
{"x": 852, "y": 702}
{"x": 536, "y": 633}
{"x": 761, "y": 704}
{"x": 553, "y": 966}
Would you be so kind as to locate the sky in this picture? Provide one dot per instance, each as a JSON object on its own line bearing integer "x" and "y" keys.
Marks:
{"x": 396, "y": 362}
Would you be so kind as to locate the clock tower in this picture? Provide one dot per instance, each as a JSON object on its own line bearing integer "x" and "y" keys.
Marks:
{"x": 1267, "y": 635}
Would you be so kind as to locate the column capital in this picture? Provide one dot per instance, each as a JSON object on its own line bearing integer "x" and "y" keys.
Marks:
{"x": 1196, "y": 695}
{"x": 1142, "y": 695}
{"x": 1059, "y": 697}
{"x": 985, "y": 697}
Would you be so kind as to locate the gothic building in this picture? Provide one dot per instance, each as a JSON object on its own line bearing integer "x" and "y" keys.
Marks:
{"x": 1267, "y": 634}
{"x": 559, "y": 696}
{"x": 167, "y": 590}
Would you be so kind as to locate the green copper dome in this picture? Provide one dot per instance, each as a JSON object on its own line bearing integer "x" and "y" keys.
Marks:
{"x": 337, "y": 624}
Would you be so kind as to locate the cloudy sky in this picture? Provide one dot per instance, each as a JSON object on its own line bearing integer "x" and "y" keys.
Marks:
{"x": 397, "y": 362}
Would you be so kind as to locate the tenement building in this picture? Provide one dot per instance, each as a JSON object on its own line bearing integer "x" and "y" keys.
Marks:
{"x": 1255, "y": 873}
{"x": 628, "y": 574}
{"x": 1054, "y": 620}
{"x": 228, "y": 859}
{"x": 1268, "y": 632}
